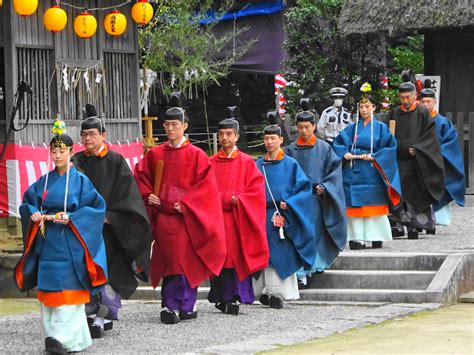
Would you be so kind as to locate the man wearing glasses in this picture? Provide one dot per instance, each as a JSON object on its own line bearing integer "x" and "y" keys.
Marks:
{"x": 126, "y": 229}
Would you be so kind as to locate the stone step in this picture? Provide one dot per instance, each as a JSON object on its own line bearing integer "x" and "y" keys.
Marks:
{"x": 372, "y": 279}
{"x": 467, "y": 297}
{"x": 149, "y": 293}
{"x": 388, "y": 261}
{"x": 364, "y": 295}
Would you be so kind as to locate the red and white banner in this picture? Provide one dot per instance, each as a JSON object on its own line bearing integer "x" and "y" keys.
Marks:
{"x": 22, "y": 165}
{"x": 280, "y": 83}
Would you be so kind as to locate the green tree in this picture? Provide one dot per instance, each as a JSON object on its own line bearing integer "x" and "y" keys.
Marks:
{"x": 187, "y": 54}
{"x": 320, "y": 58}
{"x": 182, "y": 46}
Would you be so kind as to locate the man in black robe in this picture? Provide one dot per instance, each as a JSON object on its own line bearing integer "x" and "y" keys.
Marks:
{"x": 420, "y": 163}
{"x": 127, "y": 233}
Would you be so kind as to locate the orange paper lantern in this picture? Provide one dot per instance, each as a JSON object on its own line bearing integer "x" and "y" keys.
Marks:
{"x": 142, "y": 12}
{"x": 25, "y": 7}
{"x": 85, "y": 25}
{"x": 115, "y": 23}
{"x": 55, "y": 19}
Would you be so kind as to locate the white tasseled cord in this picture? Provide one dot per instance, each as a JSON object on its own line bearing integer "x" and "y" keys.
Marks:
{"x": 46, "y": 181}
{"x": 371, "y": 135}
{"x": 67, "y": 179}
{"x": 280, "y": 231}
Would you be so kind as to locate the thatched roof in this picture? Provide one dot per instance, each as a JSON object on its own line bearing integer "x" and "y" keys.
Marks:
{"x": 399, "y": 16}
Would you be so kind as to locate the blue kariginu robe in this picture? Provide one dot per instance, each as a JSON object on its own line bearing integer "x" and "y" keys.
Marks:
{"x": 288, "y": 183}
{"x": 68, "y": 259}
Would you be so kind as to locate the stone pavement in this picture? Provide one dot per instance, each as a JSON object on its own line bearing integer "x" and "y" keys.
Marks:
{"x": 458, "y": 237}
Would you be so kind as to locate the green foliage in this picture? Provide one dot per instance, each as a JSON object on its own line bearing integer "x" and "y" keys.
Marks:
{"x": 409, "y": 55}
{"x": 188, "y": 55}
{"x": 320, "y": 58}
{"x": 405, "y": 56}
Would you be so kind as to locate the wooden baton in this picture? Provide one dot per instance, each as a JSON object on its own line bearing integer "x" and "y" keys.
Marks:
{"x": 392, "y": 125}
{"x": 158, "y": 175}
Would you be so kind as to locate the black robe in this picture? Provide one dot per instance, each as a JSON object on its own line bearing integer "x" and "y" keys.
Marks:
{"x": 422, "y": 175}
{"x": 127, "y": 235}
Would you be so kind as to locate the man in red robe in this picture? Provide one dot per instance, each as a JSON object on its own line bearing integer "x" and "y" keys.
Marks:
{"x": 178, "y": 182}
{"x": 242, "y": 193}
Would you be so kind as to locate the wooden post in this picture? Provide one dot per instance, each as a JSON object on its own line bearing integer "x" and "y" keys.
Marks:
{"x": 470, "y": 169}
{"x": 214, "y": 142}
{"x": 148, "y": 140}
{"x": 460, "y": 129}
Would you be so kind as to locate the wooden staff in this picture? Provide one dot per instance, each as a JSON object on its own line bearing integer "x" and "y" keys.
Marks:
{"x": 158, "y": 175}
{"x": 392, "y": 125}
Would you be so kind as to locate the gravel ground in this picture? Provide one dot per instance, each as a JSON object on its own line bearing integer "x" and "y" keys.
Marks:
{"x": 458, "y": 237}
{"x": 256, "y": 328}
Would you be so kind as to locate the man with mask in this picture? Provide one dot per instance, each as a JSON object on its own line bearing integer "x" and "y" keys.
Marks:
{"x": 127, "y": 233}
{"x": 335, "y": 118}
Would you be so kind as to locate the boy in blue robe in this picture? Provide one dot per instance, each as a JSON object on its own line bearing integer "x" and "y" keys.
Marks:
{"x": 289, "y": 223}
{"x": 454, "y": 178}
{"x": 323, "y": 168}
{"x": 64, "y": 251}
{"x": 371, "y": 178}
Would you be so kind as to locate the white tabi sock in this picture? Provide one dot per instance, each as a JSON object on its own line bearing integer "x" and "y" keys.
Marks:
{"x": 303, "y": 279}
{"x": 99, "y": 321}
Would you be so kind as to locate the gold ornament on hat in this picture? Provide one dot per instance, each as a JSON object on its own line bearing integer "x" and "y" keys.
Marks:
{"x": 59, "y": 128}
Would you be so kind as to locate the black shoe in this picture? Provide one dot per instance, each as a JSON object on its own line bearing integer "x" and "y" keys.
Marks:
{"x": 376, "y": 245}
{"x": 90, "y": 321}
{"x": 412, "y": 233}
{"x": 302, "y": 285}
{"x": 397, "y": 233}
{"x": 276, "y": 302}
{"x": 232, "y": 308}
{"x": 54, "y": 346}
{"x": 221, "y": 306}
{"x": 169, "y": 317}
{"x": 187, "y": 315}
{"x": 108, "y": 326}
{"x": 96, "y": 331}
{"x": 431, "y": 231}
{"x": 265, "y": 300}
{"x": 353, "y": 245}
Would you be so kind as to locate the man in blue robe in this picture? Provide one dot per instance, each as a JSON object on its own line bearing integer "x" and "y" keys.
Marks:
{"x": 454, "y": 177}
{"x": 289, "y": 222}
{"x": 323, "y": 168}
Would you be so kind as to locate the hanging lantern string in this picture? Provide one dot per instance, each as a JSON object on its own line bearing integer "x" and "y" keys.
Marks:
{"x": 58, "y": 2}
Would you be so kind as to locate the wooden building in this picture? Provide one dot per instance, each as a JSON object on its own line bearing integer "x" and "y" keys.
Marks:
{"x": 448, "y": 28}
{"x": 66, "y": 72}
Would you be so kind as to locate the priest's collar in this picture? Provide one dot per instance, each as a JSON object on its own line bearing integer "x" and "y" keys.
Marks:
{"x": 233, "y": 154}
{"x": 280, "y": 156}
{"x": 412, "y": 108}
{"x": 184, "y": 141}
{"x": 301, "y": 143}
{"x": 102, "y": 152}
